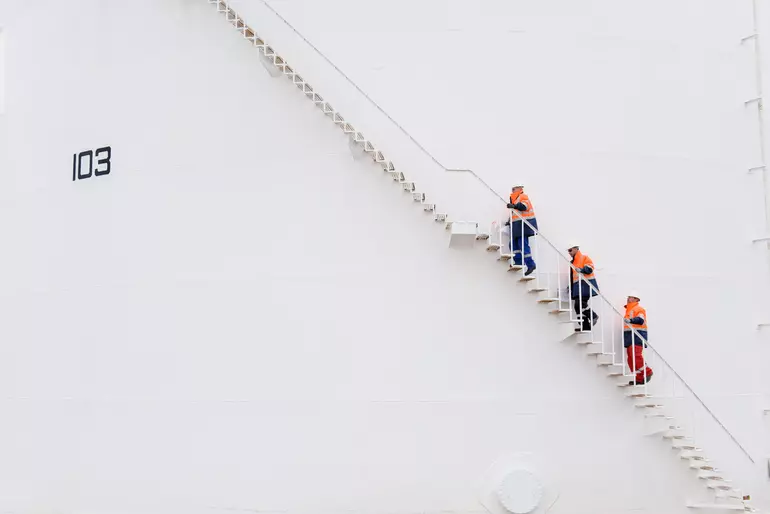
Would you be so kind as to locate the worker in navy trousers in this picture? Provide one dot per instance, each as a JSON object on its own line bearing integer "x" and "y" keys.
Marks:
{"x": 583, "y": 287}
{"x": 521, "y": 231}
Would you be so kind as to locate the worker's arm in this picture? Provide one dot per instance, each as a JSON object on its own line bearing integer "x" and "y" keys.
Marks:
{"x": 518, "y": 206}
{"x": 588, "y": 268}
{"x": 637, "y": 320}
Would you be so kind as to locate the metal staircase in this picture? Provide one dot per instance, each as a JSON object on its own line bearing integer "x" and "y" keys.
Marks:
{"x": 659, "y": 403}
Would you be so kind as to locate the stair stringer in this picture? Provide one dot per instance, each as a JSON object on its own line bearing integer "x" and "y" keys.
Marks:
{"x": 464, "y": 196}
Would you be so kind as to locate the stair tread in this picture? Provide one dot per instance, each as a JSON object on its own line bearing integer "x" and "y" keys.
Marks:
{"x": 715, "y": 506}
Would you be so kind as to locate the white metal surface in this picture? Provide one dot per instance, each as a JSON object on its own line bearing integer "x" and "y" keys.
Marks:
{"x": 520, "y": 492}
{"x": 551, "y": 278}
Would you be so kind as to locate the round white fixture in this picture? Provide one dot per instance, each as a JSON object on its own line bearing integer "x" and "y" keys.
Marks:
{"x": 520, "y": 492}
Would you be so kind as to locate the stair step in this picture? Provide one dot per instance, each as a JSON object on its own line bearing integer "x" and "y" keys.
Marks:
{"x": 648, "y": 405}
{"x": 604, "y": 360}
{"x": 594, "y": 348}
{"x": 515, "y": 267}
{"x": 702, "y": 465}
{"x": 528, "y": 278}
{"x": 564, "y": 316}
{"x": 658, "y": 415}
{"x": 721, "y": 485}
{"x": 537, "y": 290}
{"x": 734, "y": 495}
{"x": 505, "y": 257}
{"x": 685, "y": 445}
{"x": 493, "y": 247}
{"x": 482, "y": 237}
{"x": 661, "y": 426}
{"x": 674, "y": 434}
{"x": 695, "y": 455}
{"x": 716, "y": 506}
{"x": 710, "y": 475}
{"x": 547, "y": 300}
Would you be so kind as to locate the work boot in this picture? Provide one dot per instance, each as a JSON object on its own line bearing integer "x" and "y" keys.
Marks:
{"x": 594, "y": 319}
{"x": 643, "y": 381}
{"x": 529, "y": 271}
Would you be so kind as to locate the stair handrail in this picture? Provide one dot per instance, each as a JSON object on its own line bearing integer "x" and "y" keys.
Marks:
{"x": 502, "y": 199}
{"x": 598, "y": 293}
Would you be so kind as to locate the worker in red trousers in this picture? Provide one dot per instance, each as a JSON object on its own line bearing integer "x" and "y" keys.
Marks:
{"x": 635, "y": 339}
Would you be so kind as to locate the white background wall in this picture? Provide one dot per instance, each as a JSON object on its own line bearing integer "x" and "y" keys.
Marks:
{"x": 627, "y": 123}
{"x": 241, "y": 317}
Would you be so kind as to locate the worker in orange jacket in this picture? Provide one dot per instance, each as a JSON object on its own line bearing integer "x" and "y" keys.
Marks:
{"x": 583, "y": 287}
{"x": 635, "y": 339}
{"x": 521, "y": 231}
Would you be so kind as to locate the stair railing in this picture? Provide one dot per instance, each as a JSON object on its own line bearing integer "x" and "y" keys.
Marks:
{"x": 552, "y": 284}
{"x": 551, "y": 281}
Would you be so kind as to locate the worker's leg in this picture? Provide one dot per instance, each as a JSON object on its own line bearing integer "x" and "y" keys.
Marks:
{"x": 577, "y": 306}
{"x": 633, "y": 364}
{"x": 580, "y": 304}
{"x": 635, "y": 357}
{"x": 516, "y": 250}
{"x": 528, "y": 254}
{"x": 588, "y": 315}
{"x": 644, "y": 371}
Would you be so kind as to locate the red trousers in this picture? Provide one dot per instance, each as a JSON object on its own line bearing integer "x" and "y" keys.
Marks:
{"x": 636, "y": 362}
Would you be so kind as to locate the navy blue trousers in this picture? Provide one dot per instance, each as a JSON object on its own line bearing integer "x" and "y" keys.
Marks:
{"x": 517, "y": 247}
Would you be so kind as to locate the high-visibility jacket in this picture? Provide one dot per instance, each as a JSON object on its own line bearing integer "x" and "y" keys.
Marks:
{"x": 637, "y": 316}
{"x": 585, "y": 267}
{"x": 523, "y": 206}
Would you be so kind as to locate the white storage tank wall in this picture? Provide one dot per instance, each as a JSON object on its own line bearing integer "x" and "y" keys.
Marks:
{"x": 241, "y": 317}
{"x": 626, "y": 122}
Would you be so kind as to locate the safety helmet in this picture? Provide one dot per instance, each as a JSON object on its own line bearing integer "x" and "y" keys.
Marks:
{"x": 573, "y": 244}
{"x": 518, "y": 185}
{"x": 634, "y": 294}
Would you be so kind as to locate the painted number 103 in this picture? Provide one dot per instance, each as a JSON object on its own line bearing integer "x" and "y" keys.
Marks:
{"x": 91, "y": 163}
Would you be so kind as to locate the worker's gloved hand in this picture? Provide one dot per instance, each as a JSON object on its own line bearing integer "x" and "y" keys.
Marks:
{"x": 510, "y": 206}
{"x": 627, "y": 320}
